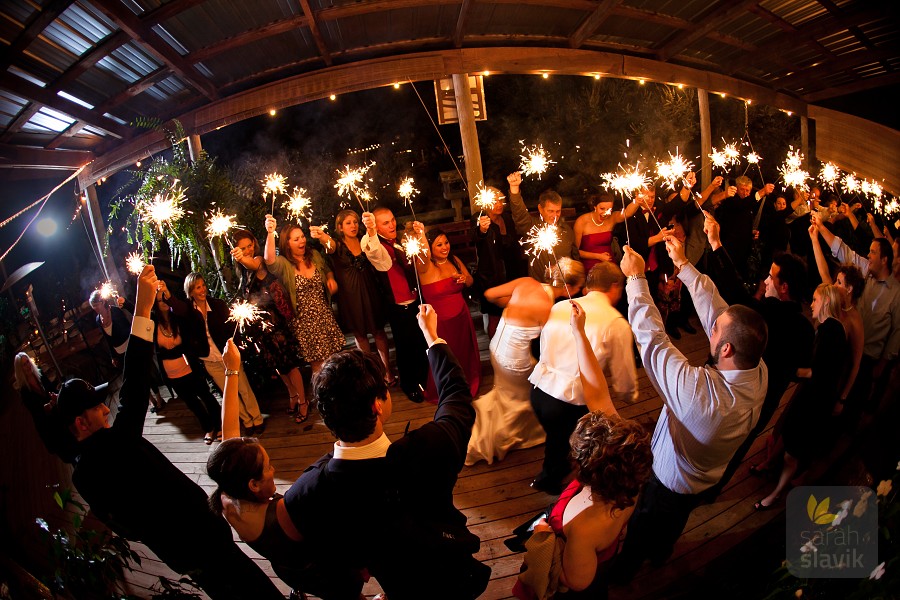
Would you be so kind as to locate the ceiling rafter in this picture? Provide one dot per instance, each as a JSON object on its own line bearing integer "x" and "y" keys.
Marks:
{"x": 149, "y": 39}
{"x": 87, "y": 60}
{"x": 857, "y": 86}
{"x": 725, "y": 12}
{"x": 458, "y": 34}
{"x": 248, "y": 37}
{"x": 788, "y": 28}
{"x": 799, "y": 79}
{"x": 33, "y": 28}
{"x": 168, "y": 10}
{"x": 134, "y": 89}
{"x": 821, "y": 27}
{"x": 861, "y": 37}
{"x": 592, "y": 22}
{"x": 316, "y": 34}
{"x": 65, "y": 134}
{"x": 28, "y": 111}
{"x": 19, "y": 157}
{"x": 35, "y": 93}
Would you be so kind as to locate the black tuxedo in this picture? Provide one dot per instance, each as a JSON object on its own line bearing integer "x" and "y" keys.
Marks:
{"x": 394, "y": 515}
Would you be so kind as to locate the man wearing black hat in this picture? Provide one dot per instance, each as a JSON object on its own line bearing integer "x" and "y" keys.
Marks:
{"x": 134, "y": 489}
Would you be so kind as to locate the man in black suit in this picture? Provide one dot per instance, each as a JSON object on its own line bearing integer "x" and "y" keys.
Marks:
{"x": 388, "y": 506}
{"x": 134, "y": 489}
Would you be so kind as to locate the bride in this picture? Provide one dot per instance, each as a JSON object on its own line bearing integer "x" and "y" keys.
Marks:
{"x": 504, "y": 419}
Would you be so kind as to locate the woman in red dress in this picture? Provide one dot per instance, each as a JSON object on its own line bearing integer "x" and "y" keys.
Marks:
{"x": 443, "y": 278}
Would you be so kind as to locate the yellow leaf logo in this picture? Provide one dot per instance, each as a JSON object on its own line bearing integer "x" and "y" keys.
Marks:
{"x": 818, "y": 511}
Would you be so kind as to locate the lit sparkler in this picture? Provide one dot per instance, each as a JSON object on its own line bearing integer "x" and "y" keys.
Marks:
{"x": 407, "y": 189}
{"x": 414, "y": 248}
{"x": 753, "y": 158}
{"x": 486, "y": 197}
{"x": 108, "y": 290}
{"x": 851, "y": 184}
{"x": 792, "y": 172}
{"x": 274, "y": 184}
{"x": 298, "y": 204}
{"x": 165, "y": 208}
{"x": 134, "y": 262}
{"x": 540, "y": 239}
{"x": 220, "y": 224}
{"x": 350, "y": 181}
{"x": 243, "y": 313}
{"x": 728, "y": 156}
{"x": 675, "y": 170}
{"x": 830, "y": 175}
{"x": 535, "y": 160}
{"x": 628, "y": 181}
{"x": 872, "y": 189}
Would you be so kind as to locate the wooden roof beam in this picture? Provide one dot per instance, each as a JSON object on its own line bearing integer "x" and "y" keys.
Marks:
{"x": 35, "y": 93}
{"x": 788, "y": 28}
{"x": 248, "y": 37}
{"x": 861, "y": 37}
{"x": 134, "y": 89}
{"x": 20, "y": 157}
{"x": 592, "y": 22}
{"x": 726, "y": 12}
{"x": 168, "y": 10}
{"x": 816, "y": 29}
{"x": 90, "y": 58}
{"x": 33, "y": 28}
{"x": 65, "y": 135}
{"x": 803, "y": 77}
{"x": 28, "y": 111}
{"x": 143, "y": 34}
{"x": 458, "y": 35}
{"x": 314, "y": 30}
{"x": 857, "y": 86}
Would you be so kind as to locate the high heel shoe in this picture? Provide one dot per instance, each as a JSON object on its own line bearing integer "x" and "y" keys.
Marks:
{"x": 300, "y": 417}
{"x": 294, "y": 406}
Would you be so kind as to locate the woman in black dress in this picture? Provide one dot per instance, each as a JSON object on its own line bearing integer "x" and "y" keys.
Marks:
{"x": 273, "y": 340}
{"x": 807, "y": 420}
{"x": 360, "y": 307}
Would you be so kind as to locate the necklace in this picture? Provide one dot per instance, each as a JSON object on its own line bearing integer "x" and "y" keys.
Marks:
{"x": 165, "y": 333}
{"x": 439, "y": 263}
{"x": 602, "y": 219}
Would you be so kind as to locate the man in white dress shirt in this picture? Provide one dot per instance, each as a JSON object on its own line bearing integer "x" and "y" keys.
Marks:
{"x": 558, "y": 396}
{"x": 707, "y": 411}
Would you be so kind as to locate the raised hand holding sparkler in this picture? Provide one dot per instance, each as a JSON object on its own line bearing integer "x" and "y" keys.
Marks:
{"x": 317, "y": 232}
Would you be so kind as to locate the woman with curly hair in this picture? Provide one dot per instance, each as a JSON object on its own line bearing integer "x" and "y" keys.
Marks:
{"x": 612, "y": 463}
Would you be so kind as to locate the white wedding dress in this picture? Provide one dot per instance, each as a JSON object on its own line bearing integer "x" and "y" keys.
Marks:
{"x": 503, "y": 417}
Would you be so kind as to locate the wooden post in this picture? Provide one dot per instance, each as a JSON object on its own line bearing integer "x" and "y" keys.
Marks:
{"x": 99, "y": 238}
{"x": 804, "y": 140}
{"x": 194, "y": 147}
{"x": 705, "y": 138}
{"x": 468, "y": 133}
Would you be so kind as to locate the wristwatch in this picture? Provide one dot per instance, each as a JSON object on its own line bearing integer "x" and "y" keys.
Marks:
{"x": 231, "y": 372}
{"x": 636, "y": 277}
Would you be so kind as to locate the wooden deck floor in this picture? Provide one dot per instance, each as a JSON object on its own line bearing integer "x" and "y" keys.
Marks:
{"x": 495, "y": 498}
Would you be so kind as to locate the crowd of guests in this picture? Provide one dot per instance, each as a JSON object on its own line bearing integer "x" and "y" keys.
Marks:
{"x": 616, "y": 290}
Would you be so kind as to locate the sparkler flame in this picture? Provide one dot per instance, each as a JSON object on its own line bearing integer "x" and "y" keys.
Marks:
{"x": 413, "y": 248}
{"x": 165, "y": 208}
{"x": 407, "y": 189}
{"x": 108, "y": 290}
{"x": 486, "y": 197}
{"x": 729, "y": 155}
{"x": 539, "y": 239}
{"x": 830, "y": 175}
{"x": 753, "y": 158}
{"x": 791, "y": 172}
{"x": 872, "y": 189}
{"x": 299, "y": 204}
{"x": 274, "y": 183}
{"x": 674, "y": 170}
{"x": 631, "y": 180}
{"x": 350, "y": 181}
{"x": 851, "y": 184}
{"x": 220, "y": 223}
{"x": 244, "y": 313}
{"x": 535, "y": 160}
{"x": 134, "y": 262}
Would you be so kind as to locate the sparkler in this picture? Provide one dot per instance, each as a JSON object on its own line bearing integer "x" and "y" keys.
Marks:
{"x": 628, "y": 181}
{"x": 108, "y": 290}
{"x": 728, "y": 156}
{"x": 543, "y": 238}
{"x": 674, "y": 170}
{"x": 535, "y": 160}
{"x": 298, "y": 204}
{"x": 792, "y": 172}
{"x": 243, "y": 313}
{"x": 830, "y": 175}
{"x": 413, "y": 248}
{"x": 134, "y": 262}
{"x": 274, "y": 184}
{"x": 220, "y": 224}
{"x": 165, "y": 208}
{"x": 872, "y": 189}
{"x": 486, "y": 197}
{"x": 407, "y": 190}
{"x": 851, "y": 184}
{"x": 753, "y": 158}
{"x": 350, "y": 181}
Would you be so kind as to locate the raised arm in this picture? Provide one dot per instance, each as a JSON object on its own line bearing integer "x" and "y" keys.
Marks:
{"x": 371, "y": 245}
{"x": 501, "y": 294}
{"x": 821, "y": 263}
{"x": 134, "y": 396}
{"x": 317, "y": 233}
{"x": 596, "y": 392}
{"x": 520, "y": 215}
{"x": 269, "y": 250}
{"x": 231, "y": 424}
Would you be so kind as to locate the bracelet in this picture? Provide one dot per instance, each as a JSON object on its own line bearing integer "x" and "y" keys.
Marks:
{"x": 231, "y": 372}
{"x": 636, "y": 277}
